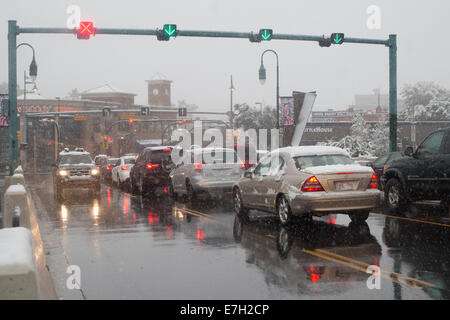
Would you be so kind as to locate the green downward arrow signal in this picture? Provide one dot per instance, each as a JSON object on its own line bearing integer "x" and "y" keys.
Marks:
{"x": 266, "y": 35}
{"x": 337, "y": 39}
{"x": 169, "y": 30}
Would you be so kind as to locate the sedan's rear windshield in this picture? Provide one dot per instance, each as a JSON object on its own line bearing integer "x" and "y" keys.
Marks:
{"x": 111, "y": 161}
{"x": 129, "y": 160}
{"x": 304, "y": 162}
{"x": 75, "y": 159}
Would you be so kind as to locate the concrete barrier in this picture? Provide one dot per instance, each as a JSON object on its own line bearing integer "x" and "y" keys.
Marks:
{"x": 16, "y": 196}
{"x": 18, "y": 278}
{"x": 17, "y": 178}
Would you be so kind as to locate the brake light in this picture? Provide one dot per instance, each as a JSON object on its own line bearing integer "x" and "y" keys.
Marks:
{"x": 124, "y": 168}
{"x": 312, "y": 184}
{"x": 151, "y": 166}
{"x": 109, "y": 168}
{"x": 167, "y": 150}
{"x": 242, "y": 165}
{"x": 346, "y": 173}
{"x": 198, "y": 166}
{"x": 373, "y": 184}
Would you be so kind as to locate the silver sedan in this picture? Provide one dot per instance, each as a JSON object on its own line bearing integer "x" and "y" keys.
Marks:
{"x": 205, "y": 173}
{"x": 307, "y": 180}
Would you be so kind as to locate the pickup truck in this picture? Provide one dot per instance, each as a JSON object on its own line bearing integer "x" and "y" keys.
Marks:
{"x": 423, "y": 174}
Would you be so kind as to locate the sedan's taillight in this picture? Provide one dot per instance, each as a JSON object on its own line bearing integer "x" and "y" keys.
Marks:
{"x": 109, "y": 168}
{"x": 151, "y": 166}
{"x": 198, "y": 166}
{"x": 312, "y": 184}
{"x": 124, "y": 168}
{"x": 373, "y": 184}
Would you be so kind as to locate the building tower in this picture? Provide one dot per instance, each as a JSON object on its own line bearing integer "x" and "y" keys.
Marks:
{"x": 159, "y": 91}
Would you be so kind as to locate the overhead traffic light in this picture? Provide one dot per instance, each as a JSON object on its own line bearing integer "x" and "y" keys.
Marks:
{"x": 86, "y": 30}
{"x": 168, "y": 31}
{"x": 145, "y": 111}
{"x": 105, "y": 142}
{"x": 265, "y": 34}
{"x": 337, "y": 38}
{"x": 182, "y": 112}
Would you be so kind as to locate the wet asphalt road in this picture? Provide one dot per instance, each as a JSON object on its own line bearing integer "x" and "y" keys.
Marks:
{"x": 128, "y": 247}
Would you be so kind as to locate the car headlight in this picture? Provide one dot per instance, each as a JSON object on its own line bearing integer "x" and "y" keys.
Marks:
{"x": 94, "y": 172}
{"x": 62, "y": 173}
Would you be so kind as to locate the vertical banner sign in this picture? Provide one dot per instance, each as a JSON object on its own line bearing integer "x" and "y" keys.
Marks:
{"x": 303, "y": 104}
{"x": 286, "y": 111}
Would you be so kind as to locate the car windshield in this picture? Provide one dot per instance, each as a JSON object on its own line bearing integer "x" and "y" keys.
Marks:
{"x": 75, "y": 159}
{"x": 304, "y": 162}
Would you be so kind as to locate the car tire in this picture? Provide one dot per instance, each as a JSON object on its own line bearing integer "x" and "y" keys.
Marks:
{"x": 359, "y": 216}
{"x": 133, "y": 187}
{"x": 141, "y": 189}
{"x": 238, "y": 205}
{"x": 394, "y": 194}
{"x": 284, "y": 210}
{"x": 172, "y": 192}
{"x": 190, "y": 192}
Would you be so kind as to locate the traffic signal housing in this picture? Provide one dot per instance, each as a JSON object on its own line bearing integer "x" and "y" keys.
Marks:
{"x": 86, "y": 30}
{"x": 168, "y": 31}
{"x": 265, "y": 34}
{"x": 337, "y": 38}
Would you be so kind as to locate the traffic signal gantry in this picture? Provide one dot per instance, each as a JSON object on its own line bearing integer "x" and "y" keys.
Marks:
{"x": 87, "y": 29}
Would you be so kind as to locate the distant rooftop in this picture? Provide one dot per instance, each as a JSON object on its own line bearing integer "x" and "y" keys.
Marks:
{"x": 158, "y": 77}
{"x": 106, "y": 88}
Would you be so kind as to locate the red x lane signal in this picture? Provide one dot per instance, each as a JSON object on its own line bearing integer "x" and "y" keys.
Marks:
{"x": 85, "y": 30}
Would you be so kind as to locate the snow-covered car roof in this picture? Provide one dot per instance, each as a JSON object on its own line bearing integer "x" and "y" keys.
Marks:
{"x": 200, "y": 150}
{"x": 311, "y": 150}
{"x": 65, "y": 153}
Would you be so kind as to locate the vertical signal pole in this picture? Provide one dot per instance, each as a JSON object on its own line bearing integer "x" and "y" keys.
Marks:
{"x": 392, "y": 92}
{"x": 12, "y": 95}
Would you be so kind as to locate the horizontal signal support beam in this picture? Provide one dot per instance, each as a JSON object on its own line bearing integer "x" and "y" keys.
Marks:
{"x": 197, "y": 33}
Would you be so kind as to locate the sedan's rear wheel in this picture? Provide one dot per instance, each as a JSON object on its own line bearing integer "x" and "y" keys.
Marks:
{"x": 284, "y": 210}
{"x": 238, "y": 205}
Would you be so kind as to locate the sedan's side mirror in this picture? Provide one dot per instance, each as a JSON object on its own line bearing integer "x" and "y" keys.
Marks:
{"x": 248, "y": 174}
{"x": 409, "y": 151}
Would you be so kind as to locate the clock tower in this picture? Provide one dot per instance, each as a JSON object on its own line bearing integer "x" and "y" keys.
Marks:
{"x": 159, "y": 92}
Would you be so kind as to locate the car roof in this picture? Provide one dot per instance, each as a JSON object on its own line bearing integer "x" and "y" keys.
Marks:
{"x": 311, "y": 150}
{"x": 158, "y": 148}
{"x": 62, "y": 153}
{"x": 200, "y": 150}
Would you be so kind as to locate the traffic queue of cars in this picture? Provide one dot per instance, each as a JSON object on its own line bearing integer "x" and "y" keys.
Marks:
{"x": 292, "y": 181}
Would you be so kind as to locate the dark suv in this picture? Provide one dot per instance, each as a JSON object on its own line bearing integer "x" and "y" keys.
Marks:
{"x": 150, "y": 174}
{"x": 423, "y": 174}
{"x": 75, "y": 169}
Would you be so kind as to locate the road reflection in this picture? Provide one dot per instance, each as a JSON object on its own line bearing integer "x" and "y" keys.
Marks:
{"x": 424, "y": 248}
{"x": 308, "y": 253}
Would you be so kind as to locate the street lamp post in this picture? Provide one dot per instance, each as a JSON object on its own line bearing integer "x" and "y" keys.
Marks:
{"x": 231, "y": 102}
{"x": 262, "y": 79}
{"x": 23, "y": 116}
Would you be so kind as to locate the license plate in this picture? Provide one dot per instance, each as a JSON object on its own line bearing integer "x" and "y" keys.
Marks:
{"x": 346, "y": 185}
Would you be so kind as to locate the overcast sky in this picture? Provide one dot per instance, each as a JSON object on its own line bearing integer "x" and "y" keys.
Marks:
{"x": 201, "y": 67}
